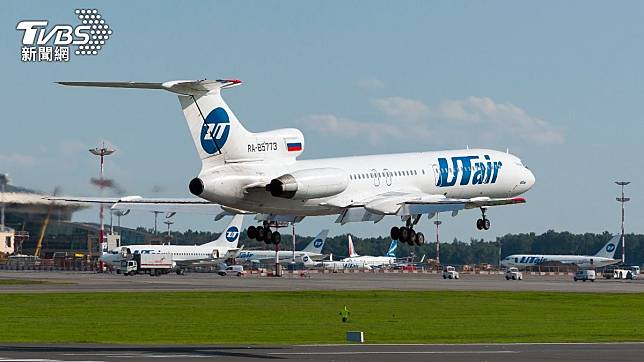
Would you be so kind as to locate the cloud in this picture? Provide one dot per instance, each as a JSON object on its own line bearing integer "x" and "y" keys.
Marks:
{"x": 348, "y": 128}
{"x": 502, "y": 119}
{"x": 473, "y": 119}
{"x": 16, "y": 160}
{"x": 402, "y": 108}
{"x": 370, "y": 84}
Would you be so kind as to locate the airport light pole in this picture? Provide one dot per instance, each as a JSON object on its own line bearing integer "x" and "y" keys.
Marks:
{"x": 438, "y": 243}
{"x": 101, "y": 152}
{"x": 4, "y": 180}
{"x": 623, "y": 200}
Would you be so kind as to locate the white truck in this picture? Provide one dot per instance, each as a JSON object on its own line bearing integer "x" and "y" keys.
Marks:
{"x": 450, "y": 273}
{"x": 514, "y": 274}
{"x": 154, "y": 264}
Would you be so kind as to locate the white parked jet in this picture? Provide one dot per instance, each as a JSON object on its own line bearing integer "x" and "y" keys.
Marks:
{"x": 373, "y": 261}
{"x": 604, "y": 257}
{"x": 313, "y": 250}
{"x": 260, "y": 173}
{"x": 225, "y": 247}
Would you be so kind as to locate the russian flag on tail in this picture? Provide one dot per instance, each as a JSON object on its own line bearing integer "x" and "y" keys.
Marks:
{"x": 293, "y": 145}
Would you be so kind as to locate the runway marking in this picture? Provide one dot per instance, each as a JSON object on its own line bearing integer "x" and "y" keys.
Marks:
{"x": 6, "y": 359}
{"x": 471, "y": 344}
{"x": 137, "y": 355}
{"x": 387, "y": 352}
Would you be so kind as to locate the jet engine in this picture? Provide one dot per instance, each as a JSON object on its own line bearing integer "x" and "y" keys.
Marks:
{"x": 309, "y": 184}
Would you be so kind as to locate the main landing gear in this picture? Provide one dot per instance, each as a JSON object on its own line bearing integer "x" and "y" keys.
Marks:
{"x": 406, "y": 234}
{"x": 483, "y": 223}
{"x": 264, "y": 233}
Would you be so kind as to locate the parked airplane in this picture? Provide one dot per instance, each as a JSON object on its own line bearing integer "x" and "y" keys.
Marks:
{"x": 224, "y": 248}
{"x": 335, "y": 265}
{"x": 313, "y": 250}
{"x": 604, "y": 257}
{"x": 260, "y": 173}
{"x": 373, "y": 261}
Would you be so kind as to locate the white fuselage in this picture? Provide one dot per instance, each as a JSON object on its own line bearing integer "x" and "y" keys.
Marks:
{"x": 463, "y": 174}
{"x": 180, "y": 253}
{"x": 342, "y": 265}
{"x": 583, "y": 261}
{"x": 372, "y": 261}
{"x": 269, "y": 255}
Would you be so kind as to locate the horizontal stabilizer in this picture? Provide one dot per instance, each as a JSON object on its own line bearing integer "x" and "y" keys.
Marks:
{"x": 185, "y": 87}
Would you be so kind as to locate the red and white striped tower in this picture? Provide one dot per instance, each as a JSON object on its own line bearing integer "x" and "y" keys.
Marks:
{"x": 623, "y": 200}
{"x": 102, "y": 152}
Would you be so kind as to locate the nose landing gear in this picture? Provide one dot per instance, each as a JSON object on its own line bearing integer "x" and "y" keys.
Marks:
{"x": 483, "y": 223}
{"x": 406, "y": 234}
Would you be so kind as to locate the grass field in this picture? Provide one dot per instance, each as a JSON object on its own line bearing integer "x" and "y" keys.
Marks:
{"x": 312, "y": 317}
{"x": 21, "y": 282}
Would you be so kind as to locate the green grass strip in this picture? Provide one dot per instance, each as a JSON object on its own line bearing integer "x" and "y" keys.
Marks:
{"x": 312, "y": 317}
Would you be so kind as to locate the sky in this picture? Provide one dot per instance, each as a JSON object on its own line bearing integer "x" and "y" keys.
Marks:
{"x": 559, "y": 84}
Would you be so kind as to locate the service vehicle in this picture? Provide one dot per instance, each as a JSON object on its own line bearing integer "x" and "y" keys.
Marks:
{"x": 624, "y": 274}
{"x": 514, "y": 274}
{"x": 148, "y": 263}
{"x": 584, "y": 275}
{"x": 237, "y": 270}
{"x": 450, "y": 273}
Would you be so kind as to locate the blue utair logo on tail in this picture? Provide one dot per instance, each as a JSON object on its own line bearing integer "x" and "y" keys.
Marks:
{"x": 214, "y": 132}
{"x": 232, "y": 234}
{"x": 485, "y": 172}
{"x": 392, "y": 249}
{"x": 610, "y": 247}
{"x": 317, "y": 243}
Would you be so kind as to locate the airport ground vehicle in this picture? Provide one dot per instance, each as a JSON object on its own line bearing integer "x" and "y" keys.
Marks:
{"x": 584, "y": 275}
{"x": 236, "y": 270}
{"x": 621, "y": 274}
{"x": 450, "y": 273}
{"x": 514, "y": 274}
{"x": 153, "y": 263}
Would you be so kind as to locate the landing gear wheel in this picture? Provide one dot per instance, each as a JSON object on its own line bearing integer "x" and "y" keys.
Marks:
{"x": 394, "y": 233}
{"x": 412, "y": 237}
{"x": 276, "y": 238}
{"x": 486, "y": 224}
{"x": 268, "y": 236}
{"x": 261, "y": 232}
{"x": 479, "y": 224}
{"x": 404, "y": 234}
{"x": 251, "y": 232}
{"x": 420, "y": 239}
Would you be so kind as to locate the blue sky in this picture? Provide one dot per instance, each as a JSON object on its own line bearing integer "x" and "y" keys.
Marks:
{"x": 558, "y": 83}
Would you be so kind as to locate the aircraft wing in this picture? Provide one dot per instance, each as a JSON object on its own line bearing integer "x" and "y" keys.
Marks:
{"x": 404, "y": 203}
{"x": 167, "y": 205}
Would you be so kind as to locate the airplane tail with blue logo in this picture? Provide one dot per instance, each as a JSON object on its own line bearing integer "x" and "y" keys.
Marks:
{"x": 316, "y": 245}
{"x": 392, "y": 249}
{"x": 608, "y": 250}
{"x": 229, "y": 237}
{"x": 217, "y": 133}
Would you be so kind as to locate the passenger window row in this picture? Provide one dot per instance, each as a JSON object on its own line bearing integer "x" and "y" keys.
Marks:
{"x": 370, "y": 175}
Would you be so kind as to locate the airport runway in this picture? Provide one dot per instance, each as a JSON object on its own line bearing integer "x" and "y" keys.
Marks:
{"x": 93, "y": 282}
{"x": 371, "y": 353}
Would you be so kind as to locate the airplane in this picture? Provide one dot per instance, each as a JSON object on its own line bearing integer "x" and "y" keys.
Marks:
{"x": 313, "y": 250}
{"x": 224, "y": 248}
{"x": 373, "y": 261}
{"x": 335, "y": 265}
{"x": 605, "y": 256}
{"x": 260, "y": 172}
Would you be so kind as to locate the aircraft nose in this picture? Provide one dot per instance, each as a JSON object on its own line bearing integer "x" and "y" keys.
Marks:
{"x": 529, "y": 179}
